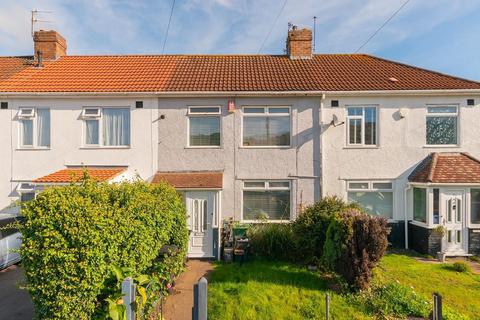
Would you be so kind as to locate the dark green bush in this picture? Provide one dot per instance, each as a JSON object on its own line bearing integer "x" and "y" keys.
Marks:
{"x": 73, "y": 236}
{"x": 311, "y": 226}
{"x": 458, "y": 266}
{"x": 355, "y": 244}
{"x": 272, "y": 240}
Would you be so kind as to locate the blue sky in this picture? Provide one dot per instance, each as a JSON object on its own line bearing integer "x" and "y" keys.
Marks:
{"x": 436, "y": 34}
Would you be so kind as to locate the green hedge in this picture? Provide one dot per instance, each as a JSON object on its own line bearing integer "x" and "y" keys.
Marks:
{"x": 74, "y": 235}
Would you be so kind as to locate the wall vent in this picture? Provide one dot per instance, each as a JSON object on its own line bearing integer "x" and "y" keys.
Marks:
{"x": 139, "y": 104}
{"x": 4, "y": 105}
{"x": 334, "y": 104}
{"x": 470, "y": 102}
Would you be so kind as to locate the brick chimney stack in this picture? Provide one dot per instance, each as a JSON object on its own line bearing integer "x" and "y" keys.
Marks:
{"x": 299, "y": 43}
{"x": 50, "y": 43}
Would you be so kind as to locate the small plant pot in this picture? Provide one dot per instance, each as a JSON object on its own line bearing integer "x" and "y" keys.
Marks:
{"x": 441, "y": 256}
{"x": 312, "y": 267}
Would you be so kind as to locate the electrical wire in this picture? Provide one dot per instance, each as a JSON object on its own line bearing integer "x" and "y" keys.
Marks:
{"x": 383, "y": 25}
{"x": 273, "y": 25}
{"x": 168, "y": 27}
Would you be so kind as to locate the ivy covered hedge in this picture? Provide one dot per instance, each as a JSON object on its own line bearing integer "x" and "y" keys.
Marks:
{"x": 75, "y": 235}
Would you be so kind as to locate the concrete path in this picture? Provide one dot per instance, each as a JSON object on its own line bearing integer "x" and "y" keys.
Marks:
{"x": 179, "y": 305}
{"x": 15, "y": 303}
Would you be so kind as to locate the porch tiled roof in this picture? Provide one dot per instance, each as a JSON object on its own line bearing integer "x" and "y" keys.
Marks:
{"x": 447, "y": 168}
{"x": 68, "y": 175}
{"x": 191, "y": 180}
{"x": 226, "y": 73}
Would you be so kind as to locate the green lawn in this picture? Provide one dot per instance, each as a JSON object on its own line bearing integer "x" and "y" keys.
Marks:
{"x": 273, "y": 290}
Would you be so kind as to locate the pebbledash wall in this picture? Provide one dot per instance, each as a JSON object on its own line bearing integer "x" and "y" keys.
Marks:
{"x": 401, "y": 145}
{"x": 67, "y": 148}
{"x": 299, "y": 163}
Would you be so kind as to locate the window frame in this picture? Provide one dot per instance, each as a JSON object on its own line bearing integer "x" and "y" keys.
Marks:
{"x": 468, "y": 197}
{"x": 372, "y": 189}
{"x": 443, "y": 114}
{"x": 266, "y": 188}
{"x": 99, "y": 118}
{"x": 32, "y": 116}
{"x": 191, "y": 114}
{"x": 362, "y": 119}
{"x": 266, "y": 114}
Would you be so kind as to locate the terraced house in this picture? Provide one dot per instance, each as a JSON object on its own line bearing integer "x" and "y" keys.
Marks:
{"x": 251, "y": 137}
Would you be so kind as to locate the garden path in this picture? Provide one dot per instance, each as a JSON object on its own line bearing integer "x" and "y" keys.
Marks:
{"x": 179, "y": 305}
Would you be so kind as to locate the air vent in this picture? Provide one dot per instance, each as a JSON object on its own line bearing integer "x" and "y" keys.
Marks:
{"x": 139, "y": 104}
{"x": 470, "y": 102}
{"x": 334, "y": 104}
{"x": 4, "y": 105}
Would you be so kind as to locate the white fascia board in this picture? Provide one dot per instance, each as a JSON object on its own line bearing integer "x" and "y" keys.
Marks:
{"x": 242, "y": 93}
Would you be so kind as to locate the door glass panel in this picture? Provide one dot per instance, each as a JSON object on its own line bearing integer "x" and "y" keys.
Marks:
{"x": 459, "y": 210}
{"x": 459, "y": 236}
{"x": 205, "y": 217}
{"x": 449, "y": 210}
{"x": 449, "y": 236}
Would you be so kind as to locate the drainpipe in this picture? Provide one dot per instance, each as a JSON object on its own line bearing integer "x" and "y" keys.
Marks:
{"x": 405, "y": 214}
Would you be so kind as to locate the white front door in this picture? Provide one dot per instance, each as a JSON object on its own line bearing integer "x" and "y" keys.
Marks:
{"x": 454, "y": 222}
{"x": 200, "y": 208}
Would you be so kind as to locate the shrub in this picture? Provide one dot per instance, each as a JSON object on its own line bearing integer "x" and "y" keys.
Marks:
{"x": 393, "y": 300}
{"x": 459, "y": 266}
{"x": 311, "y": 226}
{"x": 354, "y": 245}
{"x": 272, "y": 240}
{"x": 73, "y": 236}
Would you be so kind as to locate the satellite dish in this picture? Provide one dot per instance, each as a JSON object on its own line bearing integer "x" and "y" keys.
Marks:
{"x": 335, "y": 122}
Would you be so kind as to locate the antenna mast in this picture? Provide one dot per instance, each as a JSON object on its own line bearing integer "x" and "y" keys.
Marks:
{"x": 314, "y": 32}
{"x": 35, "y": 19}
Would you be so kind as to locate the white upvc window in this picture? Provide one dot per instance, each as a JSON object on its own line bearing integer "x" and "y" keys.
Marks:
{"x": 204, "y": 126}
{"x": 26, "y": 191}
{"x": 106, "y": 127}
{"x": 266, "y": 200}
{"x": 34, "y": 127}
{"x": 266, "y": 126}
{"x": 442, "y": 125}
{"x": 362, "y": 126}
{"x": 376, "y": 197}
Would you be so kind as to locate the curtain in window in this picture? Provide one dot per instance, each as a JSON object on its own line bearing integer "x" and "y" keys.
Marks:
{"x": 370, "y": 118}
{"x": 91, "y": 132}
{"x": 270, "y": 205}
{"x": 27, "y": 132}
{"x": 278, "y": 131}
{"x": 116, "y": 126}
{"x": 43, "y": 127}
{"x": 266, "y": 131}
{"x": 375, "y": 203}
{"x": 204, "y": 131}
{"x": 355, "y": 128}
{"x": 441, "y": 130}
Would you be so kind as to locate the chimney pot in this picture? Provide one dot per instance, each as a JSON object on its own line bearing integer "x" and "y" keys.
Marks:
{"x": 299, "y": 43}
{"x": 50, "y": 43}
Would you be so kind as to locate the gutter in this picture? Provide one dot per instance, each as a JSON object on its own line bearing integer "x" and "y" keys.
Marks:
{"x": 408, "y": 187}
{"x": 234, "y": 94}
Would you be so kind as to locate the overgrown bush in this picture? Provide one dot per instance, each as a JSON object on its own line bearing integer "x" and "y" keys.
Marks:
{"x": 272, "y": 240}
{"x": 311, "y": 226}
{"x": 459, "y": 266}
{"x": 73, "y": 236}
{"x": 355, "y": 244}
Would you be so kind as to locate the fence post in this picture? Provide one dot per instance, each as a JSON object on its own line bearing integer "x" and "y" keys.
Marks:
{"x": 437, "y": 306}
{"x": 128, "y": 291}
{"x": 327, "y": 306}
{"x": 200, "y": 299}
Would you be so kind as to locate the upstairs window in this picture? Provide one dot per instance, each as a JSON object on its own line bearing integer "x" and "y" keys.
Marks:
{"x": 375, "y": 197}
{"x": 266, "y": 126}
{"x": 34, "y": 127}
{"x": 109, "y": 127}
{"x": 204, "y": 126}
{"x": 441, "y": 125}
{"x": 362, "y": 126}
{"x": 266, "y": 200}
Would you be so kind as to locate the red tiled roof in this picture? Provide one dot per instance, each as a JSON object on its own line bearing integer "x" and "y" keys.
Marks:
{"x": 232, "y": 73}
{"x": 191, "y": 180}
{"x": 76, "y": 174}
{"x": 447, "y": 168}
{"x": 12, "y": 65}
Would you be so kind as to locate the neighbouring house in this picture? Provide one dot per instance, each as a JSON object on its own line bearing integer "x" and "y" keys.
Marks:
{"x": 251, "y": 137}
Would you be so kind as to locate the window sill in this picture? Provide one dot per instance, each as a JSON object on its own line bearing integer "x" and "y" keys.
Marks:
{"x": 444, "y": 146}
{"x": 33, "y": 149}
{"x": 421, "y": 224}
{"x": 203, "y": 147}
{"x": 362, "y": 147}
{"x": 105, "y": 148}
{"x": 266, "y": 147}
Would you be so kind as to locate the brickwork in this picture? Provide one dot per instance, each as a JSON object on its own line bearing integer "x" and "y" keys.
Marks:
{"x": 299, "y": 44}
{"x": 50, "y": 43}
